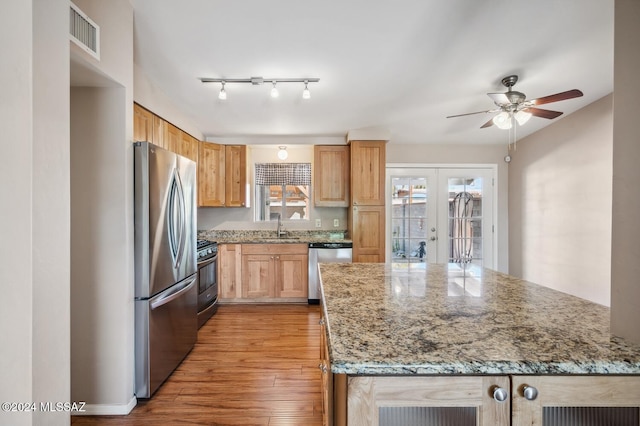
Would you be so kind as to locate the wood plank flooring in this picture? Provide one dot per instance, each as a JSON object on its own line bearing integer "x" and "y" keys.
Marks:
{"x": 252, "y": 365}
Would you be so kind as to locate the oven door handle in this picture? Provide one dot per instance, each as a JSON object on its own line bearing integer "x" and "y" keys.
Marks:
{"x": 207, "y": 262}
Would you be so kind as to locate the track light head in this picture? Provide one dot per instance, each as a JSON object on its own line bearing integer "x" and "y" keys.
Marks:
{"x": 274, "y": 91}
{"x": 223, "y": 93}
{"x": 306, "y": 94}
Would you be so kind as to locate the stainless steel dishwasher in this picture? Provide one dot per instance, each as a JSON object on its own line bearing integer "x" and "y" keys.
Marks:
{"x": 325, "y": 253}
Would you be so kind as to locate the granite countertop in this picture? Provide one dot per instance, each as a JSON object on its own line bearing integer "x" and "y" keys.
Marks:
{"x": 398, "y": 319}
{"x": 269, "y": 237}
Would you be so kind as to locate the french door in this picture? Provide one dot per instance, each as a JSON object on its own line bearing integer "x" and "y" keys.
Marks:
{"x": 440, "y": 215}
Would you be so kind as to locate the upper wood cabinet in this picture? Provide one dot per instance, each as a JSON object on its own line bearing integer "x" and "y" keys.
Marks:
{"x": 368, "y": 162}
{"x": 172, "y": 137}
{"x": 235, "y": 175}
{"x": 367, "y": 211}
{"x": 331, "y": 176}
{"x": 211, "y": 175}
{"x": 158, "y": 132}
{"x": 188, "y": 147}
{"x": 222, "y": 175}
{"x": 142, "y": 124}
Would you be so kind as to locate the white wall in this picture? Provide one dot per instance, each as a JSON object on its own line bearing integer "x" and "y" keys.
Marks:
{"x": 466, "y": 154}
{"x": 625, "y": 252}
{"x": 153, "y": 99}
{"x": 102, "y": 279}
{"x": 34, "y": 183}
{"x": 560, "y": 204}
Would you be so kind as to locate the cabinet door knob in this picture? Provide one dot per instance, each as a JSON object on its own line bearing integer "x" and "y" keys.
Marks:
{"x": 321, "y": 322}
{"x": 500, "y": 394}
{"x": 322, "y": 367}
{"x": 529, "y": 392}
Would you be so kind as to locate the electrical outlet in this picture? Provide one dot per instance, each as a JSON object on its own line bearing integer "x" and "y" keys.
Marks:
{"x": 336, "y": 223}
{"x": 318, "y": 223}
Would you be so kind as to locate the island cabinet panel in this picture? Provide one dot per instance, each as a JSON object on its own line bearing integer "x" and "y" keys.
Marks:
{"x": 211, "y": 175}
{"x": 230, "y": 272}
{"x": 331, "y": 176}
{"x": 368, "y": 162}
{"x": 462, "y": 400}
{"x": 367, "y": 230}
{"x": 576, "y": 400}
{"x": 235, "y": 175}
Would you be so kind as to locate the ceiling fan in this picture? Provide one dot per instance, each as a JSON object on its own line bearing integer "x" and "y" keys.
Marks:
{"x": 513, "y": 106}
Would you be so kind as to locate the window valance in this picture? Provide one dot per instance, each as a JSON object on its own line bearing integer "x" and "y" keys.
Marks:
{"x": 283, "y": 174}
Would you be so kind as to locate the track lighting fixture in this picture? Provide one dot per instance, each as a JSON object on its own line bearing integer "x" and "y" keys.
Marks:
{"x": 257, "y": 81}
{"x": 306, "y": 94}
{"x": 223, "y": 94}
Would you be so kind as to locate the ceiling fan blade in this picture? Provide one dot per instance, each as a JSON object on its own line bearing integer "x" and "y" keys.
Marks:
{"x": 499, "y": 98}
{"x": 562, "y": 96}
{"x": 543, "y": 113}
{"x": 487, "y": 124}
{"x": 472, "y": 113}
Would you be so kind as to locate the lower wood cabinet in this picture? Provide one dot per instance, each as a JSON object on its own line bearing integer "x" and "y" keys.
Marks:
{"x": 263, "y": 272}
{"x": 547, "y": 400}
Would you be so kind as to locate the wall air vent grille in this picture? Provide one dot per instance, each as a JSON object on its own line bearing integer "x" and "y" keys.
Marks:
{"x": 83, "y": 31}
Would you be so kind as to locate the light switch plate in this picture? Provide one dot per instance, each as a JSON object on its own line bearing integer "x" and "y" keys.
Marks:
{"x": 336, "y": 223}
{"x": 318, "y": 223}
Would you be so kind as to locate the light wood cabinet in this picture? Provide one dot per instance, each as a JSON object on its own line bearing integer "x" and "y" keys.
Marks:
{"x": 235, "y": 175}
{"x": 158, "y": 132}
{"x": 188, "y": 146}
{"x": 142, "y": 124}
{"x": 211, "y": 175}
{"x": 562, "y": 400}
{"x": 275, "y": 272}
{"x": 366, "y": 214}
{"x": 230, "y": 272}
{"x": 477, "y": 400}
{"x": 331, "y": 176}
{"x": 172, "y": 137}
{"x": 368, "y": 163}
{"x": 367, "y": 232}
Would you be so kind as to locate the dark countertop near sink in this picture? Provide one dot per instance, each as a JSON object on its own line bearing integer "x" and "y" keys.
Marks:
{"x": 269, "y": 236}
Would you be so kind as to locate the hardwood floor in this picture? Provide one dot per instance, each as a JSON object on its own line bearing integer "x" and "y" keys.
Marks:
{"x": 252, "y": 365}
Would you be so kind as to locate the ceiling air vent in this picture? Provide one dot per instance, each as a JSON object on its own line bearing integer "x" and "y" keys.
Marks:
{"x": 84, "y": 32}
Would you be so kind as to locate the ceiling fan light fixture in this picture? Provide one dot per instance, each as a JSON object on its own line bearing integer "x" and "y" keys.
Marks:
{"x": 502, "y": 120}
{"x": 522, "y": 117}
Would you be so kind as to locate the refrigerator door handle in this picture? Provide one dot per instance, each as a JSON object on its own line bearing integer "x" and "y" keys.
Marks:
{"x": 176, "y": 218}
{"x": 172, "y": 293}
{"x": 183, "y": 218}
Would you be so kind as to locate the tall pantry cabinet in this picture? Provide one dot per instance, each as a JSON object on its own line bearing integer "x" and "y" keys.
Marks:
{"x": 367, "y": 207}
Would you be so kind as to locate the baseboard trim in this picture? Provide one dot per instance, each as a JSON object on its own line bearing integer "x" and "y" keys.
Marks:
{"x": 107, "y": 409}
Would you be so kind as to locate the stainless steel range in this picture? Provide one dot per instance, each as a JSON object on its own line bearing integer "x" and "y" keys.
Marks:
{"x": 207, "y": 280}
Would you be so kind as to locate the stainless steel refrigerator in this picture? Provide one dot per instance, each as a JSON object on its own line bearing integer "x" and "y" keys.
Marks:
{"x": 166, "y": 293}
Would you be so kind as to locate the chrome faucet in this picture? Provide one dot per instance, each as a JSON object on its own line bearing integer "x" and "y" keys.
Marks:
{"x": 280, "y": 232}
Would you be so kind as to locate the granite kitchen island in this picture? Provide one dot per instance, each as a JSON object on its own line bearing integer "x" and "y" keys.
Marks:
{"x": 399, "y": 335}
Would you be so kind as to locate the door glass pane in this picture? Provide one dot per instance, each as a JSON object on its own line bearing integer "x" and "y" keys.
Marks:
{"x": 428, "y": 416}
{"x": 465, "y": 220}
{"x": 409, "y": 219}
{"x": 590, "y": 416}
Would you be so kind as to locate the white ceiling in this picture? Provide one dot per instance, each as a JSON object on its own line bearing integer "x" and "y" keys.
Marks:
{"x": 401, "y": 65}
